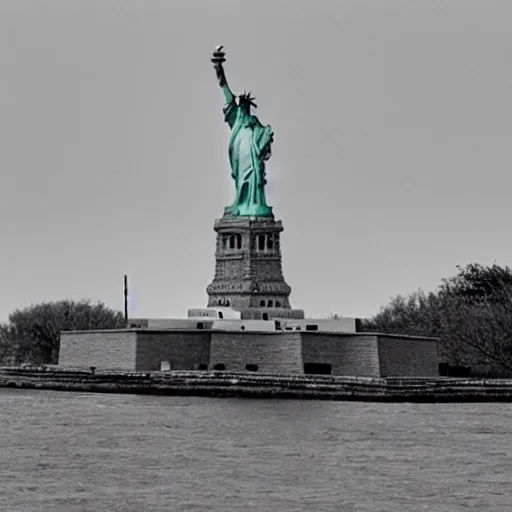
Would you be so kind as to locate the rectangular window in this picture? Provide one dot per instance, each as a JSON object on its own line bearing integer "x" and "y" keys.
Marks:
{"x": 311, "y": 327}
{"x": 251, "y": 367}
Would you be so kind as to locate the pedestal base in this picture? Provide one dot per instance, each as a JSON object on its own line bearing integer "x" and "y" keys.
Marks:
{"x": 248, "y": 270}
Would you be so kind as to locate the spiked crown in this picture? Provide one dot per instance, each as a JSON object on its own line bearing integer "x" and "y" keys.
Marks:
{"x": 246, "y": 98}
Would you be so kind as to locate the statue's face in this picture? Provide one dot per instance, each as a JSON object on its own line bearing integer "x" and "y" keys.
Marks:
{"x": 245, "y": 106}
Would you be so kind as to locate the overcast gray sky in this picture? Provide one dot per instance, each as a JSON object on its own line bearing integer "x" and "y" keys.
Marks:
{"x": 391, "y": 162}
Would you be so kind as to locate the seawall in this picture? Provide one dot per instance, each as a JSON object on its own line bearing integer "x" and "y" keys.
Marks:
{"x": 227, "y": 384}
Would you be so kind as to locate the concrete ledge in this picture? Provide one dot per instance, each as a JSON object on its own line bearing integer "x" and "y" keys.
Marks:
{"x": 224, "y": 384}
{"x": 247, "y": 332}
{"x": 402, "y": 336}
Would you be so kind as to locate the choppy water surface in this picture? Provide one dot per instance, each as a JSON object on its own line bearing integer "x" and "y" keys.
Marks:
{"x": 93, "y": 452}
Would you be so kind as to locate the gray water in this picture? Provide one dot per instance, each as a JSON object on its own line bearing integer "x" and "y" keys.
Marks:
{"x": 93, "y": 452}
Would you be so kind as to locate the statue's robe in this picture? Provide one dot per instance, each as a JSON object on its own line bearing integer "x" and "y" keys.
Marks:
{"x": 249, "y": 148}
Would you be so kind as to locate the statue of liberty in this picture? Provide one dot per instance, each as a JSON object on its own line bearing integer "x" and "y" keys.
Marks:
{"x": 249, "y": 148}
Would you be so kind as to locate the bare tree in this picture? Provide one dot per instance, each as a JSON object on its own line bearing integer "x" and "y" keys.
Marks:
{"x": 471, "y": 313}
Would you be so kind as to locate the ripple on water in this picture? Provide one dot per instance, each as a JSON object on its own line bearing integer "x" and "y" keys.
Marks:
{"x": 75, "y": 452}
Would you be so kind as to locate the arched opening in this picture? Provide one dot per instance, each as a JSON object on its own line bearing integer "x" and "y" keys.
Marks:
{"x": 278, "y": 304}
{"x": 261, "y": 242}
{"x": 265, "y": 316}
{"x": 219, "y": 367}
{"x": 262, "y": 303}
{"x": 270, "y": 303}
{"x": 232, "y": 241}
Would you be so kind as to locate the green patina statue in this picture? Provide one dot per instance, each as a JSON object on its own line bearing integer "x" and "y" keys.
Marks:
{"x": 249, "y": 148}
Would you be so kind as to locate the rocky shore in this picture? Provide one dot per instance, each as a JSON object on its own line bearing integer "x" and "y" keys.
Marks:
{"x": 226, "y": 384}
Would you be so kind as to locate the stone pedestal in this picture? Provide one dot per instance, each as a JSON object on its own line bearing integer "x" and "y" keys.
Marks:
{"x": 248, "y": 269}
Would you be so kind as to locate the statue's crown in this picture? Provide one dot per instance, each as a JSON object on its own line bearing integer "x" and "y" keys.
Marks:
{"x": 246, "y": 98}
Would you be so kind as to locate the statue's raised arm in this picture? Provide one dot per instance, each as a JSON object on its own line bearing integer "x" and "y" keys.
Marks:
{"x": 218, "y": 58}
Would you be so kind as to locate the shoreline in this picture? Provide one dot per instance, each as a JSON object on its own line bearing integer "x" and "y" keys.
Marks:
{"x": 222, "y": 384}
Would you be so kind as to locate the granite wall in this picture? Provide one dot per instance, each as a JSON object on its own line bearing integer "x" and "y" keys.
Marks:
{"x": 347, "y": 354}
{"x": 110, "y": 349}
{"x": 408, "y": 356}
{"x": 184, "y": 350}
{"x": 365, "y": 355}
{"x": 272, "y": 352}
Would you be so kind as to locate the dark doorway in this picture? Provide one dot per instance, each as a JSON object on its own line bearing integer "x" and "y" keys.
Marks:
{"x": 447, "y": 370}
{"x": 317, "y": 368}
